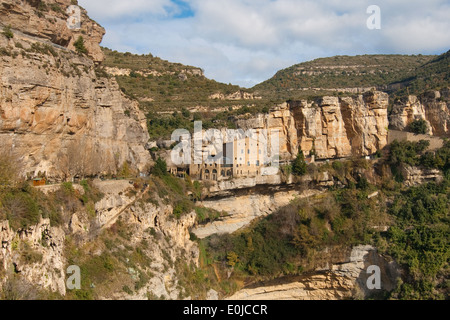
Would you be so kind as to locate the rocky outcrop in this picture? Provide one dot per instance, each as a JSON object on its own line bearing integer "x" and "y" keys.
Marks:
{"x": 330, "y": 127}
{"x": 242, "y": 210}
{"x": 433, "y": 107}
{"x": 55, "y": 113}
{"x": 39, "y": 254}
{"x": 344, "y": 279}
{"x": 238, "y": 95}
{"x": 36, "y": 253}
{"x": 48, "y": 19}
{"x": 279, "y": 122}
{"x": 334, "y": 127}
{"x": 414, "y": 176}
{"x": 320, "y": 286}
{"x": 183, "y": 75}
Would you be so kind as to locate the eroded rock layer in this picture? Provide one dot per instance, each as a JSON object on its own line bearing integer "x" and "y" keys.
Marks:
{"x": 330, "y": 127}
{"x": 433, "y": 107}
{"x": 56, "y": 114}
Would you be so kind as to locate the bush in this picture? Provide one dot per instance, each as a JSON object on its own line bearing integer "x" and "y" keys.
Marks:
{"x": 21, "y": 209}
{"x": 79, "y": 45}
{"x": 160, "y": 168}
{"x": 205, "y": 215}
{"x": 182, "y": 207}
{"x": 406, "y": 152}
{"x": 337, "y": 165}
{"x": 418, "y": 126}
{"x": 299, "y": 166}
{"x": 7, "y": 32}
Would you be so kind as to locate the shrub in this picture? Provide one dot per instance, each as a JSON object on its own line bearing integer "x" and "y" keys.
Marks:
{"x": 160, "y": 168}
{"x": 419, "y": 126}
{"x": 407, "y": 152}
{"x": 182, "y": 207}
{"x": 21, "y": 209}
{"x": 125, "y": 170}
{"x": 362, "y": 184}
{"x": 79, "y": 45}
{"x": 7, "y": 32}
{"x": 299, "y": 166}
{"x": 337, "y": 165}
{"x": 206, "y": 215}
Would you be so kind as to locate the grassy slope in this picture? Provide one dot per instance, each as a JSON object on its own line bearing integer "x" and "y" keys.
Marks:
{"x": 166, "y": 96}
{"x": 169, "y": 91}
{"x": 434, "y": 74}
{"x": 340, "y": 72}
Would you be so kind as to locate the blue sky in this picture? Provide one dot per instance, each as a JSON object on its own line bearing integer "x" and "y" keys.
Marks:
{"x": 245, "y": 42}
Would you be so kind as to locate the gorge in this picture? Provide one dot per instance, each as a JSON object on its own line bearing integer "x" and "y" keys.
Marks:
{"x": 112, "y": 206}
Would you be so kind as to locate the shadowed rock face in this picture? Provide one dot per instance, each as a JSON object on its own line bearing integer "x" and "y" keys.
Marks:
{"x": 432, "y": 106}
{"x": 55, "y": 113}
{"x": 344, "y": 276}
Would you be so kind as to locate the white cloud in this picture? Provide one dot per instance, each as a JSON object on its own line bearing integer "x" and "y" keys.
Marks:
{"x": 246, "y": 41}
{"x": 107, "y": 10}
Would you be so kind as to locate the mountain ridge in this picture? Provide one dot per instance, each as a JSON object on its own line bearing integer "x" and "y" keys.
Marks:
{"x": 346, "y": 74}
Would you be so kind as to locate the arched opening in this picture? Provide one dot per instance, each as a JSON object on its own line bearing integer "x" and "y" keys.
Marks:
{"x": 214, "y": 175}
{"x": 207, "y": 174}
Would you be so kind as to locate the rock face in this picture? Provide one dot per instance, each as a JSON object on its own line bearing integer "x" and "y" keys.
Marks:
{"x": 170, "y": 243}
{"x": 38, "y": 254}
{"x": 432, "y": 106}
{"x": 281, "y": 120}
{"x": 242, "y": 210}
{"x": 330, "y": 127}
{"x": 239, "y": 95}
{"x": 340, "y": 127}
{"x": 415, "y": 176}
{"x": 345, "y": 279}
{"x": 45, "y": 262}
{"x": 48, "y": 21}
{"x": 55, "y": 113}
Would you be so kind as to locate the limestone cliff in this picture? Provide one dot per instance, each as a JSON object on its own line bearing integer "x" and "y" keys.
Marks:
{"x": 432, "y": 106}
{"x": 330, "y": 127}
{"x": 56, "y": 114}
{"x": 334, "y": 127}
{"x": 47, "y": 20}
{"x": 36, "y": 253}
{"x": 345, "y": 278}
{"x": 41, "y": 253}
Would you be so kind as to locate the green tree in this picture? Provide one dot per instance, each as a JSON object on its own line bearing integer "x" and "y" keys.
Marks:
{"x": 419, "y": 126}
{"x": 160, "y": 168}
{"x": 79, "y": 45}
{"x": 186, "y": 113}
{"x": 299, "y": 166}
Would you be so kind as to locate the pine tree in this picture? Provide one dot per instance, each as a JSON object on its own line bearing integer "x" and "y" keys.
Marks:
{"x": 299, "y": 165}
{"x": 79, "y": 45}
